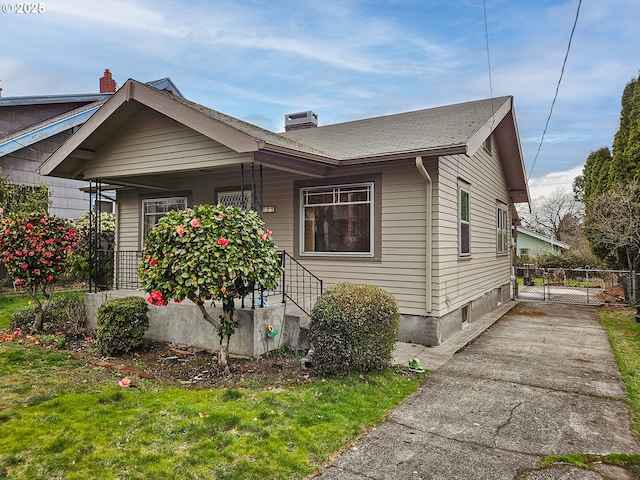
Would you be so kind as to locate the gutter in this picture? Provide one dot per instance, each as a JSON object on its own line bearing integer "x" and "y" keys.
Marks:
{"x": 427, "y": 233}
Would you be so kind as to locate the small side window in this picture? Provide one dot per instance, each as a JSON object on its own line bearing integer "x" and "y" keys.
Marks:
{"x": 465, "y": 221}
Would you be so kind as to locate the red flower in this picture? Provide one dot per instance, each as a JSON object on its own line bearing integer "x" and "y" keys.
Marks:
{"x": 25, "y": 266}
{"x": 19, "y": 281}
{"x": 268, "y": 233}
{"x": 223, "y": 242}
{"x": 30, "y": 225}
{"x": 36, "y": 271}
{"x": 49, "y": 278}
{"x": 49, "y": 241}
{"x": 180, "y": 230}
{"x": 153, "y": 262}
{"x": 263, "y": 237}
{"x": 194, "y": 223}
{"x": 43, "y": 221}
{"x": 18, "y": 252}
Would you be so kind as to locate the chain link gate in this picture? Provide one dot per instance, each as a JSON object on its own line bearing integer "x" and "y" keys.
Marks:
{"x": 581, "y": 285}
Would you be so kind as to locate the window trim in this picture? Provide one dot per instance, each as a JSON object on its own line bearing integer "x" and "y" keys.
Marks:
{"x": 466, "y": 188}
{"x": 375, "y": 253}
{"x": 502, "y": 213}
{"x": 151, "y": 197}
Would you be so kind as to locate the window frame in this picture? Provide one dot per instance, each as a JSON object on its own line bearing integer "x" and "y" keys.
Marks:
{"x": 335, "y": 191}
{"x": 502, "y": 231}
{"x": 143, "y": 215}
{"x": 464, "y": 187}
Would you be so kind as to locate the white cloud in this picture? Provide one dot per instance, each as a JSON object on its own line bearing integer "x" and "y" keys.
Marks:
{"x": 546, "y": 184}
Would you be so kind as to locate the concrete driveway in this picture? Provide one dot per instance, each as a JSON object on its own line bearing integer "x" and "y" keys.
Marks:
{"x": 542, "y": 380}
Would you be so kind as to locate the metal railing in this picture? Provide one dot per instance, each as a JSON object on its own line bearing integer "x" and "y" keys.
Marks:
{"x": 582, "y": 285}
{"x": 117, "y": 269}
{"x": 299, "y": 285}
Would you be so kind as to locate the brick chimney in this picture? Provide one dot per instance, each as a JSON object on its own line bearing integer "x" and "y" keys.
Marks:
{"x": 296, "y": 121}
{"x": 107, "y": 84}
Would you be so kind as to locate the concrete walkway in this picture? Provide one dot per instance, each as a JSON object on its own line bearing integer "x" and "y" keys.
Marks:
{"x": 542, "y": 380}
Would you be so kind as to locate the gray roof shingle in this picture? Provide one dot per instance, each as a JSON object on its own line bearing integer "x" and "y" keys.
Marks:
{"x": 420, "y": 130}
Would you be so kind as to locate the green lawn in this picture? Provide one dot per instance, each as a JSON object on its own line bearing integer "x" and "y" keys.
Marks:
{"x": 62, "y": 418}
{"x": 624, "y": 336}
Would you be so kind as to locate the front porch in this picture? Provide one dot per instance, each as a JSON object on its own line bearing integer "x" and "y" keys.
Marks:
{"x": 287, "y": 309}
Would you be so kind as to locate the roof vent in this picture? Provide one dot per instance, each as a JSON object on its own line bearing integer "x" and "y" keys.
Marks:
{"x": 296, "y": 121}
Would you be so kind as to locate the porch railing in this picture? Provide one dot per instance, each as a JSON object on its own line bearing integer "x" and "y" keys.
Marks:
{"x": 299, "y": 285}
{"x": 117, "y": 269}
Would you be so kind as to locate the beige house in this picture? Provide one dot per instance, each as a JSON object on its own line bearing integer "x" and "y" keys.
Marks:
{"x": 419, "y": 203}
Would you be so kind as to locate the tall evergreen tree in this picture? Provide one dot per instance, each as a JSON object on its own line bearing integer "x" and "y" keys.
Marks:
{"x": 625, "y": 164}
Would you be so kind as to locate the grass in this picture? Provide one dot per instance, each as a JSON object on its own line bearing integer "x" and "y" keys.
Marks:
{"x": 61, "y": 418}
{"x": 624, "y": 336}
{"x": 8, "y": 305}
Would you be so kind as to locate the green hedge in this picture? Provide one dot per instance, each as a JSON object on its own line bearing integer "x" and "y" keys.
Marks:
{"x": 354, "y": 328}
{"x": 121, "y": 325}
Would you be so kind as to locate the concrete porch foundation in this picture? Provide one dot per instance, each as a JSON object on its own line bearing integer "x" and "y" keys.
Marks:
{"x": 182, "y": 324}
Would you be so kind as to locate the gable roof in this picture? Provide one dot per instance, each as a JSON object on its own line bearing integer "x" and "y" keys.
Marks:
{"x": 443, "y": 128}
{"x": 460, "y": 128}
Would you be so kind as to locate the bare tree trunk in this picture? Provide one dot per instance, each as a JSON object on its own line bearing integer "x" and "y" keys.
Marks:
{"x": 223, "y": 356}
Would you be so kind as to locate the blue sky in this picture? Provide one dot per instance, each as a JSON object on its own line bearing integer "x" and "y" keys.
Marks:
{"x": 347, "y": 59}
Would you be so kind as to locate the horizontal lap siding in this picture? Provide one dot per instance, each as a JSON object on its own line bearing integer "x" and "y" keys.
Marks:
{"x": 152, "y": 143}
{"x": 461, "y": 280}
{"x": 401, "y": 270}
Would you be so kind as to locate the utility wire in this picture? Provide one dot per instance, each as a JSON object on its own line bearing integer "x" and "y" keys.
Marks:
{"x": 486, "y": 36}
{"x": 575, "y": 22}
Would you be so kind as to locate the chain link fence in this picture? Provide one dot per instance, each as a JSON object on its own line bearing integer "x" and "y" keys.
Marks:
{"x": 582, "y": 285}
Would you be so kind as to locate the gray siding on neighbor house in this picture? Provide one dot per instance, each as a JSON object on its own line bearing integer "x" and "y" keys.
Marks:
{"x": 151, "y": 141}
{"x": 20, "y": 167}
{"x": 460, "y": 280}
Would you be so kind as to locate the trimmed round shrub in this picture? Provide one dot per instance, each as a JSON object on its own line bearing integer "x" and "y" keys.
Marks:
{"x": 354, "y": 328}
{"x": 121, "y": 325}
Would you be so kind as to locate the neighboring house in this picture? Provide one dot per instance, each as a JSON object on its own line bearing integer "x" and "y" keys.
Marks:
{"x": 33, "y": 127}
{"x": 531, "y": 244}
{"x": 419, "y": 203}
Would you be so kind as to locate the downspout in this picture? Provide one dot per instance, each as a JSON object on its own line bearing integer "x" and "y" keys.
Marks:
{"x": 427, "y": 235}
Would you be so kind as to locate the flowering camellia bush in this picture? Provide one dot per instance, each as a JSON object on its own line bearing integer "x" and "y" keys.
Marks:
{"x": 34, "y": 249}
{"x": 209, "y": 253}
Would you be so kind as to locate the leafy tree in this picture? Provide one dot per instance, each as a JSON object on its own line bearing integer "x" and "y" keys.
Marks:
{"x": 79, "y": 261}
{"x": 603, "y": 169}
{"x": 34, "y": 249}
{"x": 614, "y": 224}
{"x": 205, "y": 254}
{"x": 625, "y": 163}
{"x": 559, "y": 216}
{"x": 595, "y": 178}
{"x": 22, "y": 199}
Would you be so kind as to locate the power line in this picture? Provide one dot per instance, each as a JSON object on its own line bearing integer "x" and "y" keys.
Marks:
{"x": 575, "y": 22}
{"x": 486, "y": 36}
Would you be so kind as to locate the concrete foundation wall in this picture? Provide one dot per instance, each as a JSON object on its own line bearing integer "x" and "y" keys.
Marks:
{"x": 432, "y": 331}
{"x": 183, "y": 324}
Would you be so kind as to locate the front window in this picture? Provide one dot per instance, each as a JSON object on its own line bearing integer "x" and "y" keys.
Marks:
{"x": 338, "y": 220}
{"x": 154, "y": 209}
{"x": 501, "y": 229}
